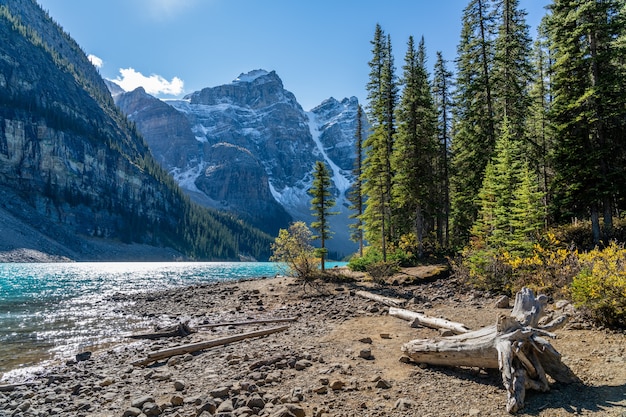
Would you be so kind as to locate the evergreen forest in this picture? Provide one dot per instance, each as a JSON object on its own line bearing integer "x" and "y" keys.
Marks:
{"x": 508, "y": 159}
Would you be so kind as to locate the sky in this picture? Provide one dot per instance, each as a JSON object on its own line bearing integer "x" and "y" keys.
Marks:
{"x": 320, "y": 49}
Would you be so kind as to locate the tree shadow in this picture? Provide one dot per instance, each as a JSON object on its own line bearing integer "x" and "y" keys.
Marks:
{"x": 577, "y": 399}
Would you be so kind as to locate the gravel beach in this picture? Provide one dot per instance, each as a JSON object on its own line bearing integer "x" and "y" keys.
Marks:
{"x": 340, "y": 357}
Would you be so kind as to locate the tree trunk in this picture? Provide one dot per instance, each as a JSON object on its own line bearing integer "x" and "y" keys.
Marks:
{"x": 426, "y": 321}
{"x": 513, "y": 345}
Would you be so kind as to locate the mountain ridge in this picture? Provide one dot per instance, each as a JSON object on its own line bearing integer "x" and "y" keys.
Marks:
{"x": 255, "y": 148}
{"x": 77, "y": 170}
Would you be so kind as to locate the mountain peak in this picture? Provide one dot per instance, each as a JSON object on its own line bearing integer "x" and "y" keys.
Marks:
{"x": 252, "y": 76}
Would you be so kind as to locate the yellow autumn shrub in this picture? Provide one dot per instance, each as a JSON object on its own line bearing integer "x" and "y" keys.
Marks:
{"x": 600, "y": 287}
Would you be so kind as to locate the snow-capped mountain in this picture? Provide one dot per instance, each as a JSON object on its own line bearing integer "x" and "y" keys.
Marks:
{"x": 248, "y": 147}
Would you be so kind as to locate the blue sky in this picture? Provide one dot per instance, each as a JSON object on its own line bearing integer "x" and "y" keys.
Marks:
{"x": 320, "y": 49}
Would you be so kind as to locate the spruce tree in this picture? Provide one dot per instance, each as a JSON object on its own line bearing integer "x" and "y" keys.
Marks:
{"x": 512, "y": 69}
{"x": 321, "y": 205}
{"x": 589, "y": 109}
{"x": 474, "y": 119}
{"x": 442, "y": 87}
{"x": 414, "y": 193}
{"x": 356, "y": 192}
{"x": 382, "y": 96}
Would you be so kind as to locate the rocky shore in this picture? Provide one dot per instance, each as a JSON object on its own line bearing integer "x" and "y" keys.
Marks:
{"x": 340, "y": 357}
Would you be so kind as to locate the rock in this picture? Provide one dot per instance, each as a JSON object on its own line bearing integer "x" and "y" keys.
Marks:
{"x": 179, "y": 385}
{"x": 503, "y": 302}
{"x": 382, "y": 383}
{"x": 336, "y": 385}
{"x": 385, "y": 336}
{"x": 303, "y": 364}
{"x": 139, "y": 402}
{"x": 473, "y": 412}
{"x": 367, "y": 340}
{"x": 220, "y": 392}
{"x": 177, "y": 400}
{"x": 106, "y": 382}
{"x": 255, "y": 401}
{"x": 446, "y": 332}
{"x": 366, "y": 353}
{"x": 226, "y": 406}
{"x": 151, "y": 409}
{"x": 131, "y": 412}
{"x": 83, "y": 356}
{"x": 404, "y": 404}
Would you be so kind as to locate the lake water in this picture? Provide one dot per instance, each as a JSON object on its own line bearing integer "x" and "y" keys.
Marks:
{"x": 53, "y": 311}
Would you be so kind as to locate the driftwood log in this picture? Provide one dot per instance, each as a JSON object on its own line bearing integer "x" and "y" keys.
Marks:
{"x": 388, "y": 301}
{"x": 515, "y": 345}
{"x": 427, "y": 321}
{"x": 194, "y": 347}
{"x": 181, "y": 329}
{"x": 247, "y": 322}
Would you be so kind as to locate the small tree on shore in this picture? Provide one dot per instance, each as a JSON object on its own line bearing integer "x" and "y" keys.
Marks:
{"x": 293, "y": 247}
{"x": 321, "y": 204}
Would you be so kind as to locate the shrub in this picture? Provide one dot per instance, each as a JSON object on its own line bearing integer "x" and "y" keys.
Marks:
{"x": 600, "y": 287}
{"x": 381, "y": 270}
{"x": 360, "y": 263}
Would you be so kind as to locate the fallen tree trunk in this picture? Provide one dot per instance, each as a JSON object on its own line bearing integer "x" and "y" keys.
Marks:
{"x": 427, "y": 321}
{"x": 245, "y": 323}
{"x": 388, "y": 301}
{"x": 194, "y": 347}
{"x": 514, "y": 345}
{"x": 181, "y": 329}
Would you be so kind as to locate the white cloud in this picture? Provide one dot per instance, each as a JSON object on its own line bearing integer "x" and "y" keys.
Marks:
{"x": 154, "y": 84}
{"x": 97, "y": 62}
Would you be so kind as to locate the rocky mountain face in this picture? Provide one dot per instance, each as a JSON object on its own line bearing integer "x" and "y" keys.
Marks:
{"x": 74, "y": 169}
{"x": 248, "y": 147}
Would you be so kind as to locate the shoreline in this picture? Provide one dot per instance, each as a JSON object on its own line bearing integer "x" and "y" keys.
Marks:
{"x": 315, "y": 367}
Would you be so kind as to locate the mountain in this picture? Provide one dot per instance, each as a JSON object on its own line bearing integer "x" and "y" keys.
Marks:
{"x": 77, "y": 179}
{"x": 248, "y": 147}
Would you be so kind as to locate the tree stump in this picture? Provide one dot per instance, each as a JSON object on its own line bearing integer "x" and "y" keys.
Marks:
{"x": 515, "y": 345}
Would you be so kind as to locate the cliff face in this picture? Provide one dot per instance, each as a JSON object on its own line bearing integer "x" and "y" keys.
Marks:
{"x": 67, "y": 151}
{"x": 248, "y": 147}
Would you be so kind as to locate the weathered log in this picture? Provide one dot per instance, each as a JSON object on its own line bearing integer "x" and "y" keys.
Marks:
{"x": 245, "y": 323}
{"x": 514, "y": 345}
{"x": 181, "y": 329}
{"x": 388, "y": 301}
{"x": 194, "y": 347}
{"x": 427, "y": 321}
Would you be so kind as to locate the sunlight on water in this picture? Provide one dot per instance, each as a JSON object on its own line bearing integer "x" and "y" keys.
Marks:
{"x": 53, "y": 311}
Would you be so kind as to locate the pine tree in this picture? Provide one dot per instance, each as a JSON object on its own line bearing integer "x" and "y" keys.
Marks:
{"x": 382, "y": 95}
{"x": 442, "y": 87}
{"x": 512, "y": 69}
{"x": 474, "y": 119}
{"x": 527, "y": 212}
{"x": 321, "y": 205}
{"x": 538, "y": 124}
{"x": 589, "y": 109}
{"x": 356, "y": 193}
{"x": 415, "y": 151}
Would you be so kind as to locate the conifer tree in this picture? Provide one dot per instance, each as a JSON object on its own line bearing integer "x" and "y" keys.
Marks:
{"x": 442, "y": 87}
{"x": 512, "y": 69}
{"x": 589, "y": 109}
{"x": 382, "y": 96}
{"x": 474, "y": 119}
{"x": 356, "y": 193}
{"x": 527, "y": 211}
{"x": 414, "y": 193}
{"x": 321, "y": 205}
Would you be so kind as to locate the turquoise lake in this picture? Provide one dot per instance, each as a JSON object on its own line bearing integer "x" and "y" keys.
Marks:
{"x": 53, "y": 311}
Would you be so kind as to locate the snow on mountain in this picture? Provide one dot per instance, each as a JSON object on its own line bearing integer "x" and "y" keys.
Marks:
{"x": 250, "y": 148}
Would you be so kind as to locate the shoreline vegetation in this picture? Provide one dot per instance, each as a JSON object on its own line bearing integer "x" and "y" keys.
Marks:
{"x": 341, "y": 356}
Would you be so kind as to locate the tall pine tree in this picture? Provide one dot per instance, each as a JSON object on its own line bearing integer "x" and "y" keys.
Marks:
{"x": 474, "y": 118}
{"x": 415, "y": 152}
{"x": 382, "y": 96}
{"x": 442, "y": 87}
{"x": 589, "y": 109}
{"x": 356, "y": 192}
